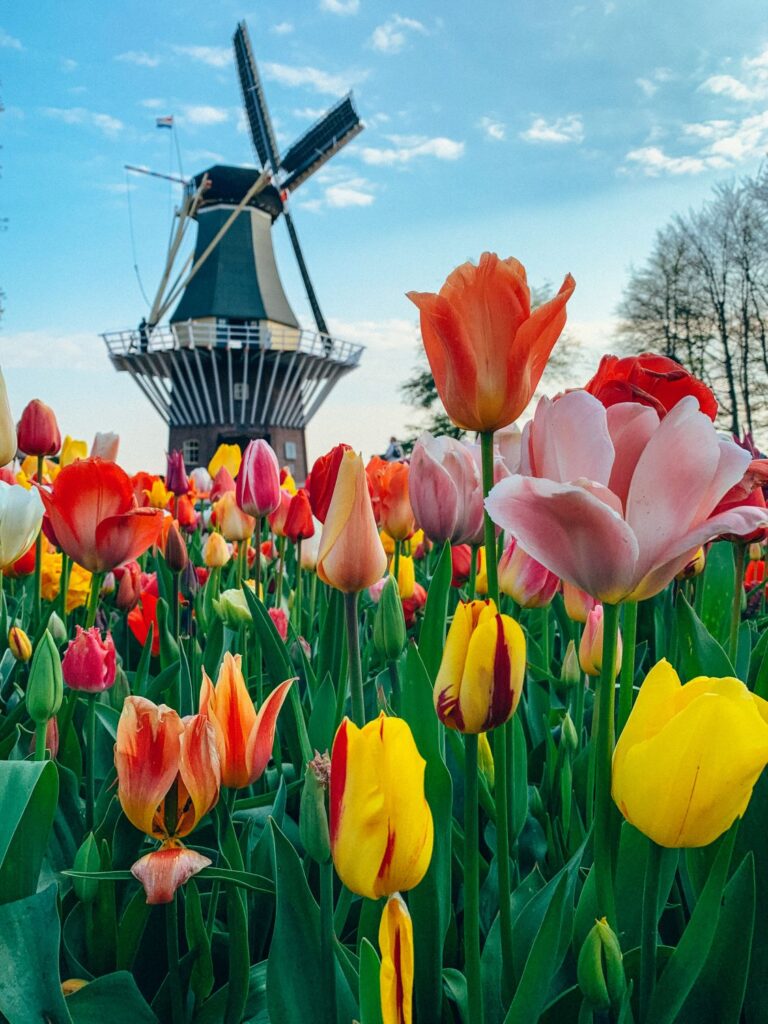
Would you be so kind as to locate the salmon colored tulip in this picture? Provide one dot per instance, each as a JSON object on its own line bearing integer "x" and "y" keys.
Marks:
{"x": 395, "y": 512}
{"x": 37, "y": 431}
{"x": 351, "y": 556}
{"x": 299, "y": 524}
{"x": 480, "y": 679}
{"x": 93, "y": 513}
{"x": 445, "y": 490}
{"x": 222, "y": 484}
{"x": 71, "y": 451}
{"x": 688, "y": 757}
{"x": 620, "y": 501}
{"x": 244, "y": 738}
{"x": 215, "y": 551}
{"x": 397, "y": 962}
{"x": 322, "y": 480}
{"x": 487, "y": 350}
{"x": 227, "y": 455}
{"x": 524, "y": 579}
{"x": 231, "y": 520}
{"x": 591, "y": 646}
{"x": 168, "y": 779}
{"x": 380, "y": 821}
{"x": 258, "y": 482}
{"x": 578, "y": 604}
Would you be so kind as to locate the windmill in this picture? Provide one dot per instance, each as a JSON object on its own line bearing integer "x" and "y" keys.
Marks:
{"x": 232, "y": 362}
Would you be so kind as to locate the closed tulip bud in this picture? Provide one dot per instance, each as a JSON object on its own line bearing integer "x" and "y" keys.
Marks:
{"x": 524, "y": 579}
{"x": 313, "y": 818}
{"x": 8, "y": 443}
{"x": 570, "y": 670}
{"x": 397, "y": 962}
{"x": 44, "y": 687}
{"x": 232, "y": 608}
{"x": 228, "y": 456}
{"x": 578, "y": 604}
{"x": 322, "y": 480}
{"x": 688, "y": 757}
{"x": 406, "y": 576}
{"x": 600, "y": 968}
{"x": 201, "y": 481}
{"x": 223, "y": 483}
{"x": 568, "y": 733}
{"x": 395, "y": 514}
{"x": 57, "y": 628}
{"x": 89, "y": 662}
{"x": 445, "y": 490}
{"x": 231, "y": 520}
{"x": 216, "y": 551}
{"x": 695, "y": 567}
{"x": 176, "y": 479}
{"x": 299, "y": 524}
{"x": 351, "y": 557}
{"x": 481, "y": 674}
{"x": 176, "y": 554}
{"x": 755, "y": 551}
{"x": 105, "y": 446}
{"x": 389, "y": 622}
{"x": 485, "y": 759}
{"x": 381, "y": 824}
{"x": 37, "y": 431}
{"x": 129, "y": 587}
{"x": 87, "y": 859}
{"x": 277, "y": 518}
{"x": 258, "y": 482}
{"x": 591, "y": 646}
{"x": 19, "y": 644}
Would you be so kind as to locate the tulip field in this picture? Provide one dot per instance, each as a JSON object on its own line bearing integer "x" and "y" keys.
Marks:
{"x": 474, "y": 737}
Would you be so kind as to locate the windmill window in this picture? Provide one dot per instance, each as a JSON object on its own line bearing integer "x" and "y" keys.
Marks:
{"x": 240, "y": 391}
{"x": 191, "y": 451}
{"x": 290, "y": 449}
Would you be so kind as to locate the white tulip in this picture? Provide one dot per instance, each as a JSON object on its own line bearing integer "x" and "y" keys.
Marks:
{"x": 21, "y": 514}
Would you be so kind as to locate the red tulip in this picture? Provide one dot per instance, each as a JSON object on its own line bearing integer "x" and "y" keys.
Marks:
{"x": 258, "y": 482}
{"x": 648, "y": 379}
{"x": 298, "y": 521}
{"x": 185, "y": 512}
{"x": 277, "y": 518}
{"x": 223, "y": 482}
{"x": 38, "y": 432}
{"x": 141, "y": 617}
{"x": 322, "y": 480}
{"x": 129, "y": 586}
{"x": 176, "y": 479}
{"x": 89, "y": 663}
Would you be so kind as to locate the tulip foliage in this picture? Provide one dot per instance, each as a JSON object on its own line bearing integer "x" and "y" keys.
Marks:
{"x": 478, "y": 737}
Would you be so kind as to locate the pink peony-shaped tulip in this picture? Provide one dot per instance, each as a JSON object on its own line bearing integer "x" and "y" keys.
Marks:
{"x": 445, "y": 489}
{"x": 258, "y": 482}
{"x": 524, "y": 579}
{"x": 618, "y": 502}
{"x": 89, "y": 663}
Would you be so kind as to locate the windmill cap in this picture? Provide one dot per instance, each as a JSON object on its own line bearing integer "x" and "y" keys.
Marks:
{"x": 230, "y": 184}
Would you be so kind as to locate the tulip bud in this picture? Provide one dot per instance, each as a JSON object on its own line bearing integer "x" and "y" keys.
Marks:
{"x": 299, "y": 524}
{"x": 313, "y": 818}
{"x": 108, "y": 585}
{"x": 258, "y": 482}
{"x": 231, "y": 520}
{"x": 755, "y": 551}
{"x": 72, "y": 985}
{"x": 485, "y": 759}
{"x": 57, "y": 628}
{"x": 87, "y": 859}
{"x": 389, "y": 623}
{"x": 176, "y": 550}
{"x": 105, "y": 446}
{"x": 600, "y": 969}
{"x": 45, "y": 687}
{"x": 277, "y": 518}
{"x": 51, "y": 738}
{"x": 223, "y": 483}
{"x": 232, "y": 608}
{"x": 524, "y": 579}
{"x": 568, "y": 733}
{"x": 215, "y": 551}
{"x": 19, "y": 643}
{"x": 578, "y": 604}
{"x": 38, "y": 431}
{"x": 570, "y": 671}
{"x": 89, "y": 662}
{"x": 176, "y": 479}
{"x": 7, "y": 428}
{"x": 129, "y": 588}
{"x": 200, "y": 480}
{"x": 696, "y": 566}
{"x": 279, "y": 621}
{"x": 591, "y": 647}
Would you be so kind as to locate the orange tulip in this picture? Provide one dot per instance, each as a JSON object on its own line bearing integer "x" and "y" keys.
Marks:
{"x": 486, "y": 349}
{"x": 351, "y": 557}
{"x": 390, "y": 493}
{"x": 244, "y": 737}
{"x": 168, "y": 777}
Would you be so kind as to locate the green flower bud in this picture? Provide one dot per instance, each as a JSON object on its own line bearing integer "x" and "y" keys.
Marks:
{"x": 600, "y": 969}
{"x": 232, "y": 608}
{"x": 570, "y": 672}
{"x": 57, "y": 628}
{"x": 485, "y": 759}
{"x": 389, "y": 622}
{"x": 45, "y": 687}
{"x": 568, "y": 733}
{"x": 313, "y": 819}
{"x": 87, "y": 859}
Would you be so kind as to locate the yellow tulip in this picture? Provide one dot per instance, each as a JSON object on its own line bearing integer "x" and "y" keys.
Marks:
{"x": 289, "y": 484}
{"x": 79, "y": 581}
{"x": 481, "y": 579}
{"x": 388, "y": 543}
{"x": 689, "y": 756}
{"x": 215, "y": 551}
{"x": 158, "y": 495}
{"x": 381, "y": 824}
{"x": 71, "y": 450}
{"x": 481, "y": 675}
{"x": 396, "y": 973}
{"x": 406, "y": 576}
{"x": 228, "y": 455}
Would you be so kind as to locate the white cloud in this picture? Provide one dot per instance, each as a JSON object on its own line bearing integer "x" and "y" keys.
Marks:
{"x": 707, "y": 129}
{"x": 342, "y": 7}
{"x": 392, "y": 35}
{"x": 648, "y": 87}
{"x": 139, "y": 57}
{"x": 67, "y": 64}
{"x": 493, "y": 128}
{"x": 9, "y": 42}
{"x": 654, "y": 161}
{"x": 213, "y": 56}
{"x": 730, "y": 87}
{"x": 110, "y": 126}
{"x": 204, "y": 115}
{"x": 563, "y": 129}
{"x": 313, "y": 78}
{"x": 152, "y": 103}
{"x": 758, "y": 63}
{"x": 747, "y": 140}
{"x": 340, "y": 191}
{"x": 283, "y": 28}
{"x": 408, "y": 147}
{"x": 308, "y": 113}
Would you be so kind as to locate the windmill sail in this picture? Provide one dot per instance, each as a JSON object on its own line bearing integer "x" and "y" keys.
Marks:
{"x": 259, "y": 121}
{"x": 322, "y": 141}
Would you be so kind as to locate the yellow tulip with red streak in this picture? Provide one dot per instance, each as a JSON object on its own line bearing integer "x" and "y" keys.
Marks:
{"x": 397, "y": 962}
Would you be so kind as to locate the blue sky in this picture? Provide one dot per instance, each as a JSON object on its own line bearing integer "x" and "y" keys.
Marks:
{"x": 561, "y": 133}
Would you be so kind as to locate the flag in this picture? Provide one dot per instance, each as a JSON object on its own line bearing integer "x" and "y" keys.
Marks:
{"x": 164, "y": 122}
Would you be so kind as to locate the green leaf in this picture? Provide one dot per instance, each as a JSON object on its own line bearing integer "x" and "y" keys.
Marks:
{"x": 28, "y": 794}
{"x": 699, "y": 652}
{"x": 432, "y": 633}
{"x": 198, "y": 942}
{"x": 114, "y": 997}
{"x": 30, "y": 988}
{"x": 370, "y": 992}
{"x": 141, "y": 675}
{"x": 273, "y": 648}
{"x": 322, "y": 720}
{"x": 519, "y": 769}
{"x": 716, "y": 581}
{"x": 255, "y": 1007}
{"x": 630, "y": 878}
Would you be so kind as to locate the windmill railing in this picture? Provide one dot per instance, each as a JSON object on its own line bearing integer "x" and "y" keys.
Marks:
{"x": 196, "y": 334}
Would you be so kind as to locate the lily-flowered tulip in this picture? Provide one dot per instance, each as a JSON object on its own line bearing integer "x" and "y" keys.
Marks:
{"x": 688, "y": 757}
{"x": 351, "y": 556}
{"x": 158, "y": 495}
{"x": 216, "y": 551}
{"x": 176, "y": 479}
{"x": 381, "y": 824}
{"x": 8, "y": 444}
{"x": 227, "y": 455}
{"x": 258, "y": 482}
{"x": 105, "y": 446}
{"x": 231, "y": 520}
{"x": 486, "y": 349}
{"x": 71, "y": 451}
{"x": 649, "y": 379}
{"x": 397, "y": 962}
{"x": 299, "y": 524}
{"x": 322, "y": 480}
{"x": 524, "y": 579}
{"x": 244, "y": 738}
{"x": 168, "y": 779}
{"x": 481, "y": 674}
{"x": 93, "y": 513}
{"x": 21, "y": 513}
{"x": 445, "y": 490}
{"x": 620, "y": 501}
{"x": 591, "y": 646}
{"x": 89, "y": 663}
{"x": 38, "y": 432}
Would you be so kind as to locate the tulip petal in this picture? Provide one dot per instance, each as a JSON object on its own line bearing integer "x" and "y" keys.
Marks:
{"x": 570, "y": 531}
{"x": 397, "y": 962}
{"x": 570, "y": 439}
{"x": 631, "y": 427}
{"x": 199, "y": 772}
{"x": 163, "y": 871}
{"x": 235, "y": 715}
{"x": 262, "y": 737}
{"x": 125, "y": 537}
{"x": 536, "y": 338}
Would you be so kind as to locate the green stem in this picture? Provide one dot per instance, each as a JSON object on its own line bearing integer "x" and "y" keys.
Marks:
{"x": 66, "y": 566}
{"x": 649, "y": 928}
{"x": 312, "y": 602}
{"x": 472, "y": 573}
{"x": 501, "y": 793}
{"x": 603, "y": 755}
{"x": 93, "y": 599}
{"x": 394, "y": 682}
{"x": 298, "y": 586}
{"x": 175, "y": 605}
{"x": 280, "y": 571}
{"x": 489, "y": 530}
{"x": 39, "y": 550}
{"x": 738, "y": 589}
{"x": 90, "y": 767}
{"x": 545, "y": 638}
{"x": 41, "y": 729}
{"x": 578, "y": 714}
{"x": 257, "y": 559}
{"x": 355, "y": 664}
{"x": 242, "y": 562}
{"x": 472, "y": 884}
{"x": 174, "y": 976}
{"x": 626, "y": 681}
{"x": 327, "y": 938}
{"x": 396, "y": 566}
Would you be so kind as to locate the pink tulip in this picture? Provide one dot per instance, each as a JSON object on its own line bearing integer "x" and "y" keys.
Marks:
{"x": 591, "y": 646}
{"x": 445, "y": 489}
{"x": 223, "y": 483}
{"x": 258, "y": 482}
{"x": 89, "y": 662}
{"x": 619, "y": 502}
{"x": 105, "y": 446}
{"x": 524, "y": 579}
